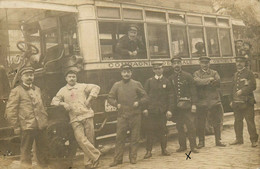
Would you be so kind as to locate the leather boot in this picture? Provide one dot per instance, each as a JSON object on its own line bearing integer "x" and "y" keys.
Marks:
{"x": 217, "y": 137}
{"x": 148, "y": 155}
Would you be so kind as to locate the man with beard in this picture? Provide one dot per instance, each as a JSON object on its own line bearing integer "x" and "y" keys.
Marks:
{"x": 184, "y": 108}
{"x": 158, "y": 110}
{"x": 242, "y": 102}
{"x": 209, "y": 104}
{"x": 76, "y": 99}
{"x": 26, "y": 113}
{"x": 129, "y": 97}
{"x": 129, "y": 46}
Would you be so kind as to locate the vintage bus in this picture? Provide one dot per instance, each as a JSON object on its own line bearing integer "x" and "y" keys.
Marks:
{"x": 56, "y": 36}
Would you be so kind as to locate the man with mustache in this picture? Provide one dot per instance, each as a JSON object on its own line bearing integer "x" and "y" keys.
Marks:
{"x": 129, "y": 46}
{"x": 185, "y": 105}
{"x": 209, "y": 104}
{"x": 242, "y": 101}
{"x": 158, "y": 109}
{"x": 26, "y": 113}
{"x": 129, "y": 97}
{"x": 76, "y": 99}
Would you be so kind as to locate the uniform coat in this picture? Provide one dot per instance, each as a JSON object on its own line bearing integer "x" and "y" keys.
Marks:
{"x": 184, "y": 87}
{"x": 209, "y": 102}
{"x": 243, "y": 105}
{"x": 124, "y": 45}
{"x": 160, "y": 101}
{"x": 25, "y": 110}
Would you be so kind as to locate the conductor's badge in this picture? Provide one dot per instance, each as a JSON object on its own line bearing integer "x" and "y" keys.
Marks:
{"x": 164, "y": 85}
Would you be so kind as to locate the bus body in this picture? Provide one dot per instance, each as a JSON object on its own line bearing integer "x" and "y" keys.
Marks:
{"x": 83, "y": 35}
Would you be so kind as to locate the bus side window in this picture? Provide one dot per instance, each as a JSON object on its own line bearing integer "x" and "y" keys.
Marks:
{"x": 212, "y": 41}
{"x": 158, "y": 41}
{"x": 122, "y": 41}
{"x": 179, "y": 41}
{"x": 225, "y": 41}
{"x": 196, "y": 41}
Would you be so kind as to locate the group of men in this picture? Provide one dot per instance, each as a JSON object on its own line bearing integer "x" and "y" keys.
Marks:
{"x": 181, "y": 97}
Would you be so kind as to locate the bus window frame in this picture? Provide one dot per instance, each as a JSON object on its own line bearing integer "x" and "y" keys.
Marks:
{"x": 168, "y": 24}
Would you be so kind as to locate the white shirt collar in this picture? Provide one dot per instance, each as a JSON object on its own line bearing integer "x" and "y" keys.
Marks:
{"x": 158, "y": 77}
{"x": 29, "y": 86}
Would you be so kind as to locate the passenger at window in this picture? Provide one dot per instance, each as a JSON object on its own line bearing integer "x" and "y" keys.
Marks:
{"x": 129, "y": 46}
{"x": 199, "y": 46}
{"x": 238, "y": 46}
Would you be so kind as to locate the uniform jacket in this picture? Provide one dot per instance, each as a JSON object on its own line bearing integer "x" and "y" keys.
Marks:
{"x": 160, "y": 95}
{"x": 208, "y": 94}
{"x": 126, "y": 93}
{"x": 184, "y": 86}
{"x": 25, "y": 108}
{"x": 124, "y": 45}
{"x": 244, "y": 80}
{"x": 75, "y": 96}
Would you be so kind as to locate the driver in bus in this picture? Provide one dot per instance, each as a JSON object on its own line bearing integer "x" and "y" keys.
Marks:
{"x": 130, "y": 46}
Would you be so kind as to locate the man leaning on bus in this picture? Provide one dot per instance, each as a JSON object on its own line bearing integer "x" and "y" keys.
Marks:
{"x": 209, "y": 104}
{"x": 129, "y": 97}
{"x": 129, "y": 46}
{"x": 242, "y": 101}
{"x": 76, "y": 98}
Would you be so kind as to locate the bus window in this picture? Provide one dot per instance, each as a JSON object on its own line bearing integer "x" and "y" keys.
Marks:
{"x": 155, "y": 16}
{"x": 122, "y": 41}
{"x": 194, "y": 20}
{"x": 132, "y": 14}
{"x": 105, "y": 12}
{"x": 212, "y": 41}
{"x": 196, "y": 41}
{"x": 224, "y": 35}
{"x": 51, "y": 45}
{"x": 177, "y": 18}
{"x": 69, "y": 35}
{"x": 158, "y": 41}
{"x": 179, "y": 41}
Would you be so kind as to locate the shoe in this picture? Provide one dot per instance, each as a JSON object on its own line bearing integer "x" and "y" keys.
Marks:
{"x": 254, "y": 144}
{"x": 181, "y": 149}
{"x": 133, "y": 161}
{"x": 220, "y": 144}
{"x": 236, "y": 142}
{"x": 148, "y": 155}
{"x": 115, "y": 163}
{"x": 165, "y": 153}
{"x": 194, "y": 150}
{"x": 200, "y": 145}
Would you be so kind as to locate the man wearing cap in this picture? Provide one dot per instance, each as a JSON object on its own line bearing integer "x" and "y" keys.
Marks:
{"x": 158, "y": 109}
{"x": 242, "y": 102}
{"x": 238, "y": 46}
{"x": 129, "y": 97}
{"x": 185, "y": 104}
{"x": 76, "y": 99}
{"x": 129, "y": 46}
{"x": 25, "y": 112}
{"x": 209, "y": 104}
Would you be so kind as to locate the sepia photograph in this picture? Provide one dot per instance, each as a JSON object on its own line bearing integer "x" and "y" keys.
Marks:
{"x": 129, "y": 84}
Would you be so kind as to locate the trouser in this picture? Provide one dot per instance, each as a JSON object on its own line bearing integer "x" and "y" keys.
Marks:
{"x": 185, "y": 117}
{"x": 84, "y": 134}
{"x": 27, "y": 139}
{"x": 215, "y": 117}
{"x": 248, "y": 113}
{"x": 132, "y": 123}
{"x": 155, "y": 127}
